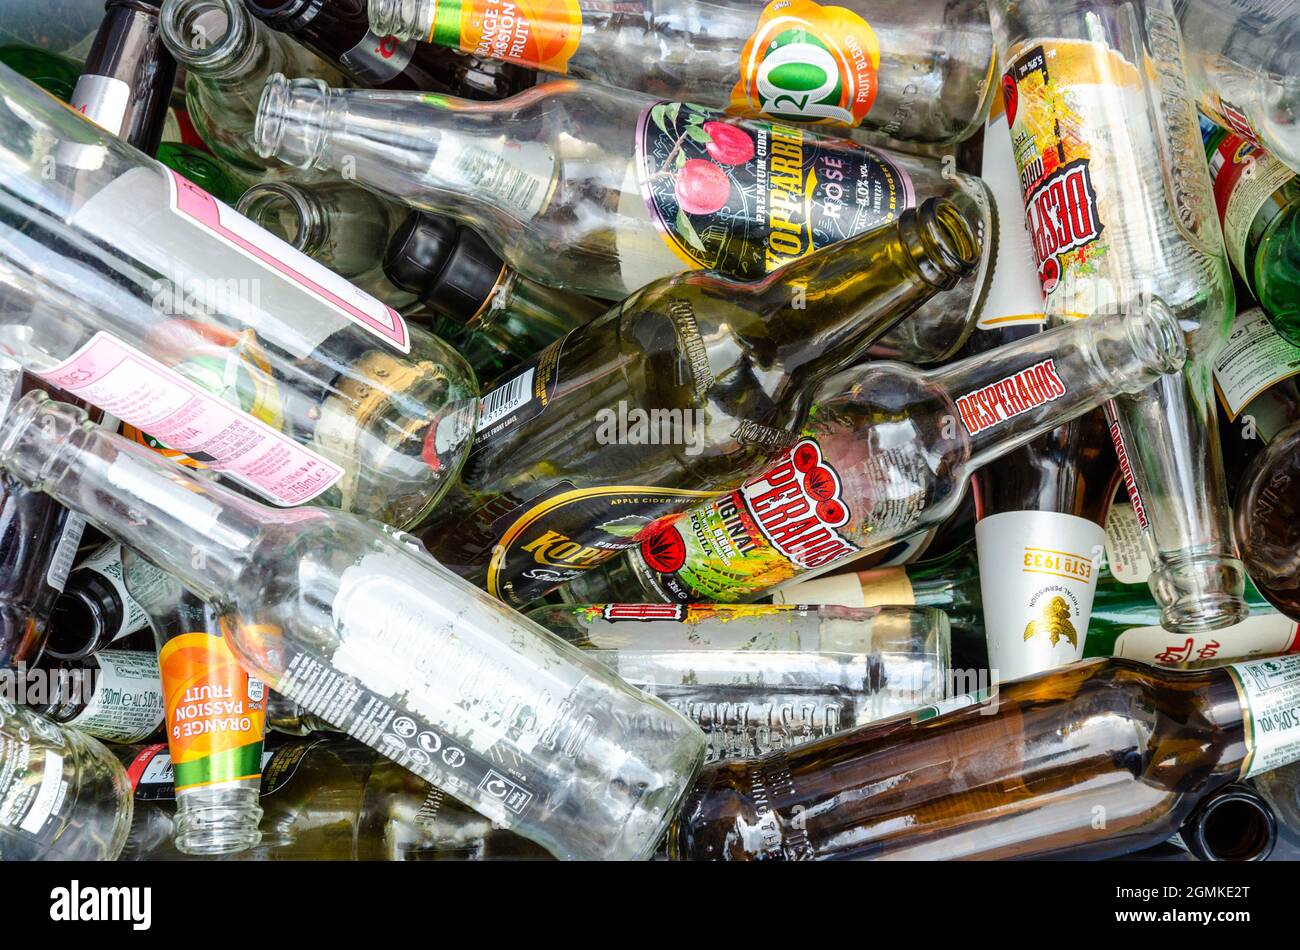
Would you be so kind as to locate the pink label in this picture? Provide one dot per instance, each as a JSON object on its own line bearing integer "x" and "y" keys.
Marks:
{"x": 142, "y": 392}
{"x": 237, "y": 231}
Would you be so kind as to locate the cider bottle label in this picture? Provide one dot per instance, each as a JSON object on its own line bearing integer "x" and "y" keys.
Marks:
{"x": 747, "y": 197}
{"x": 808, "y": 63}
{"x": 1247, "y": 181}
{"x": 1254, "y": 358}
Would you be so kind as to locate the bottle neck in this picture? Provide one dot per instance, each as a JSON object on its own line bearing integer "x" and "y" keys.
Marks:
{"x": 826, "y": 308}
{"x": 442, "y": 153}
{"x": 218, "y": 41}
{"x": 409, "y": 19}
{"x": 1006, "y": 397}
{"x": 198, "y": 531}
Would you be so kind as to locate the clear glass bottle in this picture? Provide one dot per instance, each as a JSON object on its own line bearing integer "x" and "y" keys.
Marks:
{"x": 215, "y": 717}
{"x": 285, "y": 716}
{"x": 227, "y": 55}
{"x": 756, "y": 678}
{"x": 1119, "y": 210}
{"x": 63, "y": 796}
{"x": 886, "y": 452}
{"x": 916, "y": 71}
{"x": 602, "y": 191}
{"x": 1243, "y": 66}
{"x": 141, "y": 294}
{"x": 362, "y": 628}
{"x": 677, "y": 394}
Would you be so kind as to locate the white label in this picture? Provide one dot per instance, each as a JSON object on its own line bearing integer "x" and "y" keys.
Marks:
{"x": 377, "y": 59}
{"x": 102, "y": 100}
{"x": 1254, "y": 358}
{"x": 1015, "y": 296}
{"x": 144, "y": 393}
{"x": 106, "y": 561}
{"x": 1038, "y": 574}
{"x": 65, "y": 552}
{"x": 127, "y": 705}
{"x": 1254, "y": 636}
{"x": 211, "y": 260}
{"x": 841, "y": 590}
{"x": 517, "y": 175}
{"x": 505, "y": 399}
{"x": 47, "y": 796}
{"x": 1126, "y": 547}
{"x": 1270, "y": 691}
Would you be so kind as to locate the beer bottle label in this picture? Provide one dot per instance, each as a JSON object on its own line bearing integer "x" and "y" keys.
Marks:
{"x": 1268, "y": 633}
{"x": 106, "y": 561}
{"x": 1126, "y": 549}
{"x": 791, "y": 519}
{"x": 1248, "y": 185}
{"x": 808, "y": 63}
{"x": 215, "y": 712}
{"x": 127, "y": 702}
{"x": 1038, "y": 575}
{"x": 1270, "y": 699}
{"x": 542, "y": 34}
{"x": 1254, "y": 358}
{"x": 745, "y": 197}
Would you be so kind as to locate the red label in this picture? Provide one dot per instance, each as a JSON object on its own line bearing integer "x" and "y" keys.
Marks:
{"x": 1061, "y": 215}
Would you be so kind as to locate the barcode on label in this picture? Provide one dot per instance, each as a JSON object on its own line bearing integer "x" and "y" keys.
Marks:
{"x": 505, "y": 399}
{"x": 492, "y": 173}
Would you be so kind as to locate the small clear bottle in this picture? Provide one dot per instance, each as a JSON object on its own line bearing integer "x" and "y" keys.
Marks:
{"x": 63, "y": 796}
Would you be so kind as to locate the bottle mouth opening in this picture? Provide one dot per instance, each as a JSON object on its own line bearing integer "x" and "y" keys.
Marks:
{"x": 71, "y": 621}
{"x": 280, "y": 209}
{"x": 201, "y": 32}
{"x": 1158, "y": 336}
{"x": 1236, "y": 827}
{"x": 272, "y": 109}
{"x": 946, "y": 234}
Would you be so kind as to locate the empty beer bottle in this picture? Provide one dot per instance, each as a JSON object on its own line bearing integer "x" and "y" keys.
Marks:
{"x": 795, "y": 61}
{"x": 1267, "y": 512}
{"x": 886, "y": 452}
{"x": 113, "y": 695}
{"x": 339, "y": 32}
{"x": 602, "y": 191}
{"x": 352, "y": 620}
{"x": 678, "y": 393}
{"x": 1023, "y": 774}
{"x": 96, "y": 607}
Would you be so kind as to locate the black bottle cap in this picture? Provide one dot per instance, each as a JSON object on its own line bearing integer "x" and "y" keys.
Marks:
{"x": 447, "y": 266}
{"x": 284, "y": 14}
{"x": 86, "y": 615}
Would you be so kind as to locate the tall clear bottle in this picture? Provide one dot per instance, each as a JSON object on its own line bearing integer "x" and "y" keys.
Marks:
{"x": 227, "y": 55}
{"x": 354, "y": 622}
{"x": 677, "y": 394}
{"x": 63, "y": 796}
{"x": 886, "y": 452}
{"x": 915, "y": 71}
{"x": 1119, "y": 211}
{"x": 215, "y": 716}
{"x": 136, "y": 291}
{"x": 602, "y": 191}
{"x": 1243, "y": 65}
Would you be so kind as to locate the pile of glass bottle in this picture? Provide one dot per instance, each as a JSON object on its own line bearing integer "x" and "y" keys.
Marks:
{"x": 604, "y": 433}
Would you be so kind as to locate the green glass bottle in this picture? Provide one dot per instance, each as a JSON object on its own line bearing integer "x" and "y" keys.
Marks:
{"x": 1258, "y": 199}
{"x": 203, "y": 169}
{"x": 56, "y": 74}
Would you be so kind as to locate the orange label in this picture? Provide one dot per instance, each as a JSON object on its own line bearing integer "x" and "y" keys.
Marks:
{"x": 543, "y": 34}
{"x": 809, "y": 63}
{"x": 215, "y": 711}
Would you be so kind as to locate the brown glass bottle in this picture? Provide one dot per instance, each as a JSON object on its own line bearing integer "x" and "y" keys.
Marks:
{"x": 569, "y": 465}
{"x": 1267, "y": 512}
{"x": 1091, "y": 760}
